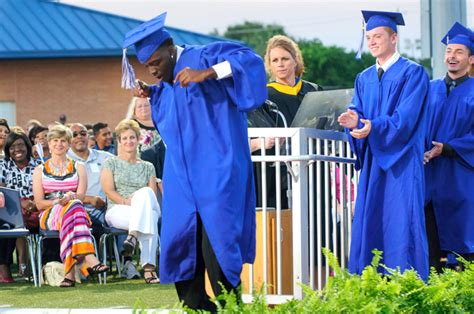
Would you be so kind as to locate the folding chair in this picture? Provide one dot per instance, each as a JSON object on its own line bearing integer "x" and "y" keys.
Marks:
{"x": 12, "y": 215}
{"x": 107, "y": 233}
{"x": 51, "y": 234}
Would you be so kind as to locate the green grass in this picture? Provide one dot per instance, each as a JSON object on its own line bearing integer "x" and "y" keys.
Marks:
{"x": 118, "y": 293}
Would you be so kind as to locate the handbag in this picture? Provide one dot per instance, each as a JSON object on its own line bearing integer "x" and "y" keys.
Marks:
{"x": 53, "y": 274}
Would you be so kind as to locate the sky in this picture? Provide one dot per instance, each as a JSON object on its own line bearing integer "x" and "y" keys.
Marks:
{"x": 334, "y": 22}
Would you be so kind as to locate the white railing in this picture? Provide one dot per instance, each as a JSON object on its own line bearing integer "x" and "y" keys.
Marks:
{"x": 322, "y": 188}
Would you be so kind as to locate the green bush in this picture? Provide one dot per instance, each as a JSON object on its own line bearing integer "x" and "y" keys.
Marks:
{"x": 449, "y": 292}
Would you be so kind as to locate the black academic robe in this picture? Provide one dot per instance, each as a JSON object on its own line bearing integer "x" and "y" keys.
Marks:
{"x": 288, "y": 99}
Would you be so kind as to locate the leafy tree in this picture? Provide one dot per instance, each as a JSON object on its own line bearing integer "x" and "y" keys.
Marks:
{"x": 331, "y": 66}
{"x": 254, "y": 34}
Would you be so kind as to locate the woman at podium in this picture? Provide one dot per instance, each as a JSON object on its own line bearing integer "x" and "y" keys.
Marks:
{"x": 286, "y": 90}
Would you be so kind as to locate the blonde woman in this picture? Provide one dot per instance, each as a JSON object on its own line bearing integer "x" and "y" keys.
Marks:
{"x": 130, "y": 186}
{"x": 284, "y": 63}
{"x": 140, "y": 111}
{"x": 59, "y": 186}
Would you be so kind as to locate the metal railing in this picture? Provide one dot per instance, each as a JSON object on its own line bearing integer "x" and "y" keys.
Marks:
{"x": 320, "y": 189}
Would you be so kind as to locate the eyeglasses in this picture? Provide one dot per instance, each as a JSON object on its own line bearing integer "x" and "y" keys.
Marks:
{"x": 81, "y": 133}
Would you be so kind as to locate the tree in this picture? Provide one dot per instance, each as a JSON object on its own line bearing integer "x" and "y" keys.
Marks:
{"x": 254, "y": 34}
{"x": 330, "y": 67}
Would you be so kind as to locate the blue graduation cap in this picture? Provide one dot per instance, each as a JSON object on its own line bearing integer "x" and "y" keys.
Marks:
{"x": 374, "y": 19}
{"x": 146, "y": 37}
{"x": 458, "y": 34}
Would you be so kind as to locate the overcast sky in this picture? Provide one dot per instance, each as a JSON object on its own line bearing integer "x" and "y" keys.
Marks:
{"x": 334, "y": 22}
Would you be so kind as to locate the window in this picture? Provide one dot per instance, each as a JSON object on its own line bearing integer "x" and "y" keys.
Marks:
{"x": 8, "y": 111}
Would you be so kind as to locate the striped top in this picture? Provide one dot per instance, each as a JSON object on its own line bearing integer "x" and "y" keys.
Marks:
{"x": 53, "y": 181}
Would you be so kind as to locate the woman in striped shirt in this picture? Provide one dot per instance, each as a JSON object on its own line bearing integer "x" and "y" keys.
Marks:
{"x": 59, "y": 187}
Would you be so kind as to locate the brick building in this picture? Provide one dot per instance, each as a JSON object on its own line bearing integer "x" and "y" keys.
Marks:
{"x": 61, "y": 59}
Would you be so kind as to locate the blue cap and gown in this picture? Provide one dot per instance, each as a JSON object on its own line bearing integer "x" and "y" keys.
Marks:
{"x": 450, "y": 179}
{"x": 389, "y": 206}
{"x": 207, "y": 170}
{"x": 374, "y": 19}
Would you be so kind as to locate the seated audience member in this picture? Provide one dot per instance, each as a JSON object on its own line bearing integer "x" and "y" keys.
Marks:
{"x": 156, "y": 155}
{"x": 62, "y": 119}
{"x": 17, "y": 129}
{"x": 37, "y": 135}
{"x": 93, "y": 160}
{"x": 130, "y": 186}
{"x": 4, "y": 131}
{"x": 90, "y": 136}
{"x": 140, "y": 111}
{"x": 31, "y": 124}
{"x": 91, "y": 143}
{"x": 59, "y": 186}
{"x": 16, "y": 172}
{"x": 103, "y": 138}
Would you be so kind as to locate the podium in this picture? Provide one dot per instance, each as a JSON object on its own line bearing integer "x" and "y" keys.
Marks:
{"x": 271, "y": 262}
{"x": 286, "y": 256}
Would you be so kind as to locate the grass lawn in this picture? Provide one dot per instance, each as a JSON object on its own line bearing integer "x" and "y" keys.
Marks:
{"x": 118, "y": 293}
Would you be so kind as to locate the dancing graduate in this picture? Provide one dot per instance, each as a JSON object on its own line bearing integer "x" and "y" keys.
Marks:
{"x": 199, "y": 106}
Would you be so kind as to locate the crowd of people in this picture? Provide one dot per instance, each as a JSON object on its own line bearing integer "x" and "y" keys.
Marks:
{"x": 413, "y": 140}
{"x": 67, "y": 182}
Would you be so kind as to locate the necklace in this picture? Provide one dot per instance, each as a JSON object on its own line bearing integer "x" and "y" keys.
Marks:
{"x": 58, "y": 170}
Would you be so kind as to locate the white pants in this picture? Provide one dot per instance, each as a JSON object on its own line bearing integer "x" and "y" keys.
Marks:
{"x": 142, "y": 218}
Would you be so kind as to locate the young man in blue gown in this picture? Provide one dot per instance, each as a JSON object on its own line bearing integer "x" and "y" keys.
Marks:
{"x": 386, "y": 127}
{"x": 449, "y": 155}
{"x": 199, "y": 106}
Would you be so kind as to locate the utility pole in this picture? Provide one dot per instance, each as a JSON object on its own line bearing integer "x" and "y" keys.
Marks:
{"x": 437, "y": 17}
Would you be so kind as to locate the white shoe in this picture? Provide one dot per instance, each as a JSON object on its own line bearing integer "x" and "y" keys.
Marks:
{"x": 129, "y": 271}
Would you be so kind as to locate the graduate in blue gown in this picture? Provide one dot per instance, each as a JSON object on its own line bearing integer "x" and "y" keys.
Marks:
{"x": 199, "y": 107}
{"x": 385, "y": 125}
{"x": 449, "y": 153}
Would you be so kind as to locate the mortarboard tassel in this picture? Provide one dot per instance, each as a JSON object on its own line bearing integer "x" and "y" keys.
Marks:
{"x": 128, "y": 75}
{"x": 361, "y": 45}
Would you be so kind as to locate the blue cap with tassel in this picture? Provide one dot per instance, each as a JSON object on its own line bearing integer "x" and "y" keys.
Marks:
{"x": 458, "y": 34}
{"x": 374, "y": 19}
{"x": 146, "y": 38}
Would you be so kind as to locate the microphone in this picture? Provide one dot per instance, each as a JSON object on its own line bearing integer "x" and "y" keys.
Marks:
{"x": 271, "y": 104}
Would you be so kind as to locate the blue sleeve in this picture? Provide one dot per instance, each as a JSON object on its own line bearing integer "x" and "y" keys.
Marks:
{"x": 247, "y": 86}
{"x": 392, "y": 136}
{"x": 464, "y": 147}
{"x": 358, "y": 146}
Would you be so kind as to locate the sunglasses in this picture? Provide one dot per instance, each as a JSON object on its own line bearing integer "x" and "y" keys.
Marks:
{"x": 81, "y": 133}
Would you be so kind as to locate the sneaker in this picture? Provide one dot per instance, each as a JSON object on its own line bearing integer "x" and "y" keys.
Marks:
{"x": 129, "y": 271}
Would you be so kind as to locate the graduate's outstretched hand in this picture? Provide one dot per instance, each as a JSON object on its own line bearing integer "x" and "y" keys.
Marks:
{"x": 141, "y": 89}
{"x": 348, "y": 119}
{"x": 433, "y": 152}
{"x": 364, "y": 132}
{"x": 188, "y": 75}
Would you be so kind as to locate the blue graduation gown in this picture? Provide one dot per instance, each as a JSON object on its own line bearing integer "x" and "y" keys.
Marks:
{"x": 208, "y": 169}
{"x": 450, "y": 180}
{"x": 389, "y": 212}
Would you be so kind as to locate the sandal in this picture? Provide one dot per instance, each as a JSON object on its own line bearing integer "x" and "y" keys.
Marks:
{"x": 67, "y": 283}
{"x": 129, "y": 244}
{"x": 97, "y": 269}
{"x": 153, "y": 279}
